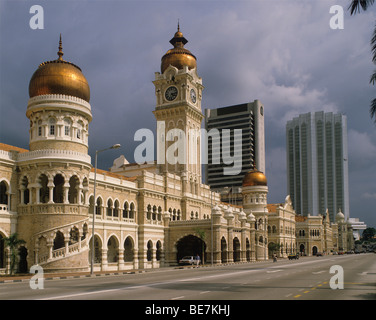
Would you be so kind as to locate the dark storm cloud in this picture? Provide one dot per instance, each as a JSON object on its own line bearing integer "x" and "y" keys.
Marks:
{"x": 280, "y": 52}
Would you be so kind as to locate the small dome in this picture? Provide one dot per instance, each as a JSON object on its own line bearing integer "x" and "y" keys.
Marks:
{"x": 254, "y": 178}
{"x": 340, "y": 216}
{"x": 59, "y": 77}
{"x": 251, "y": 217}
{"x": 178, "y": 56}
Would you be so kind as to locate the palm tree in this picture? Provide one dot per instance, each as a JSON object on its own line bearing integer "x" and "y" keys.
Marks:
{"x": 13, "y": 243}
{"x": 354, "y": 7}
{"x": 202, "y": 235}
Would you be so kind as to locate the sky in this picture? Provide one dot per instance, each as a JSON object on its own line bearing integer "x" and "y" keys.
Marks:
{"x": 281, "y": 52}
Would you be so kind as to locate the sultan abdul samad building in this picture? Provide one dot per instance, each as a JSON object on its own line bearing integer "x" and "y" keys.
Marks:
{"x": 146, "y": 216}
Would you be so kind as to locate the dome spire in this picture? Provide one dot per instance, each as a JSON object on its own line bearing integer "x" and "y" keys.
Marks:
{"x": 60, "y": 52}
{"x": 178, "y": 56}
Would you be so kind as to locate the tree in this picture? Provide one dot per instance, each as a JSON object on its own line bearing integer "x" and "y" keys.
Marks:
{"x": 202, "y": 235}
{"x": 369, "y": 234}
{"x": 355, "y": 7}
{"x": 13, "y": 243}
{"x": 274, "y": 247}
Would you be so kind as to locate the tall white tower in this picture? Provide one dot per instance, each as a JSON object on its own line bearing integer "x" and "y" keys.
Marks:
{"x": 178, "y": 90}
{"x": 54, "y": 174}
{"x": 317, "y": 163}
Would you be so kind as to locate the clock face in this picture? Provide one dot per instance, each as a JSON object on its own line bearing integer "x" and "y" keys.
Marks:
{"x": 171, "y": 93}
{"x": 193, "y": 96}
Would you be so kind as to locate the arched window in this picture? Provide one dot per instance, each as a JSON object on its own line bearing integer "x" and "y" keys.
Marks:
{"x": 73, "y": 196}
{"x": 116, "y": 209}
{"x": 25, "y": 193}
{"x": 98, "y": 207}
{"x": 44, "y": 190}
{"x": 132, "y": 211}
{"x": 58, "y": 194}
{"x": 40, "y": 128}
{"x": 109, "y": 208}
{"x": 3, "y": 193}
{"x": 52, "y": 124}
{"x": 149, "y": 253}
{"x": 126, "y": 210}
{"x": 67, "y": 127}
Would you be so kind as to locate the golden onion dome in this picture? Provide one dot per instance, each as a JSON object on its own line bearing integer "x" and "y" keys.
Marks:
{"x": 59, "y": 77}
{"x": 178, "y": 56}
{"x": 254, "y": 178}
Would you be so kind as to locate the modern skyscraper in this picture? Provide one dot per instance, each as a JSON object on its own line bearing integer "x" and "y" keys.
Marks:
{"x": 249, "y": 117}
{"x": 317, "y": 167}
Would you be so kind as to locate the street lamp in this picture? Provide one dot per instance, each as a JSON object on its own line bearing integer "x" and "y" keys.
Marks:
{"x": 265, "y": 233}
{"x": 115, "y": 146}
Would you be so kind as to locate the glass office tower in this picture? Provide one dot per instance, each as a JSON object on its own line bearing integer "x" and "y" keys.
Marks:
{"x": 317, "y": 163}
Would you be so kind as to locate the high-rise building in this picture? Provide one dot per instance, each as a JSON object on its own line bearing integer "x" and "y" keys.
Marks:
{"x": 249, "y": 117}
{"x": 317, "y": 166}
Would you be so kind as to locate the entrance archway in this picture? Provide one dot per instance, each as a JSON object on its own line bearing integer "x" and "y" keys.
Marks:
{"x": 301, "y": 248}
{"x": 223, "y": 250}
{"x": 314, "y": 250}
{"x": 190, "y": 246}
{"x": 236, "y": 248}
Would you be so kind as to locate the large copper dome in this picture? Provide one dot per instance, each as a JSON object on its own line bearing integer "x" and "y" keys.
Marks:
{"x": 59, "y": 77}
{"x": 178, "y": 56}
{"x": 254, "y": 178}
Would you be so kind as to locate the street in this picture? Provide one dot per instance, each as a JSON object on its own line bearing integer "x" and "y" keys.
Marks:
{"x": 308, "y": 278}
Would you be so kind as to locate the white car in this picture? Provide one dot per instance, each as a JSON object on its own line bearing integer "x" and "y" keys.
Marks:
{"x": 189, "y": 260}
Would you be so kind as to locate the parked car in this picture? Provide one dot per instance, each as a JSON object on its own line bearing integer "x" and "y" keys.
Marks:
{"x": 188, "y": 260}
{"x": 293, "y": 256}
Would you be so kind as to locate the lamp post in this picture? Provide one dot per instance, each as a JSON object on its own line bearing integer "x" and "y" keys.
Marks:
{"x": 115, "y": 146}
{"x": 265, "y": 233}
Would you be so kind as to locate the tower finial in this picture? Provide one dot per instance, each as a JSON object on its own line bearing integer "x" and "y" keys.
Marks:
{"x": 60, "y": 52}
{"x": 178, "y": 26}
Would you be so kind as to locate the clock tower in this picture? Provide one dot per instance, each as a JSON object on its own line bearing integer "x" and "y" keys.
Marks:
{"x": 178, "y": 90}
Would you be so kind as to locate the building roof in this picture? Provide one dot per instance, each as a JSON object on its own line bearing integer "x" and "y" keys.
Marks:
{"x": 7, "y": 147}
{"x": 114, "y": 175}
{"x": 300, "y": 218}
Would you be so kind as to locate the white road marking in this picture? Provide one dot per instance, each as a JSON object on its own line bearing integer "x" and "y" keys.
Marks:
{"x": 318, "y": 272}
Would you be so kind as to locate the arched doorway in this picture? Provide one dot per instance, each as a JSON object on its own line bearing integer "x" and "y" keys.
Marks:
{"x": 190, "y": 246}
{"x": 149, "y": 252}
{"x": 59, "y": 241}
{"x": 248, "y": 249}
{"x": 223, "y": 250}
{"x": 2, "y": 252}
{"x": 236, "y": 248}
{"x": 97, "y": 249}
{"x": 128, "y": 249}
{"x": 112, "y": 250}
{"x": 314, "y": 250}
{"x": 22, "y": 265}
{"x": 302, "y": 248}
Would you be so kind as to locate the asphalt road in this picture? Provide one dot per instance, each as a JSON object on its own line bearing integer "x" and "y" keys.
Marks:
{"x": 308, "y": 278}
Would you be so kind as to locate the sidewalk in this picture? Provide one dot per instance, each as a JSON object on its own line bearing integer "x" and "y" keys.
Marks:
{"x": 56, "y": 276}
{"x": 66, "y": 275}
